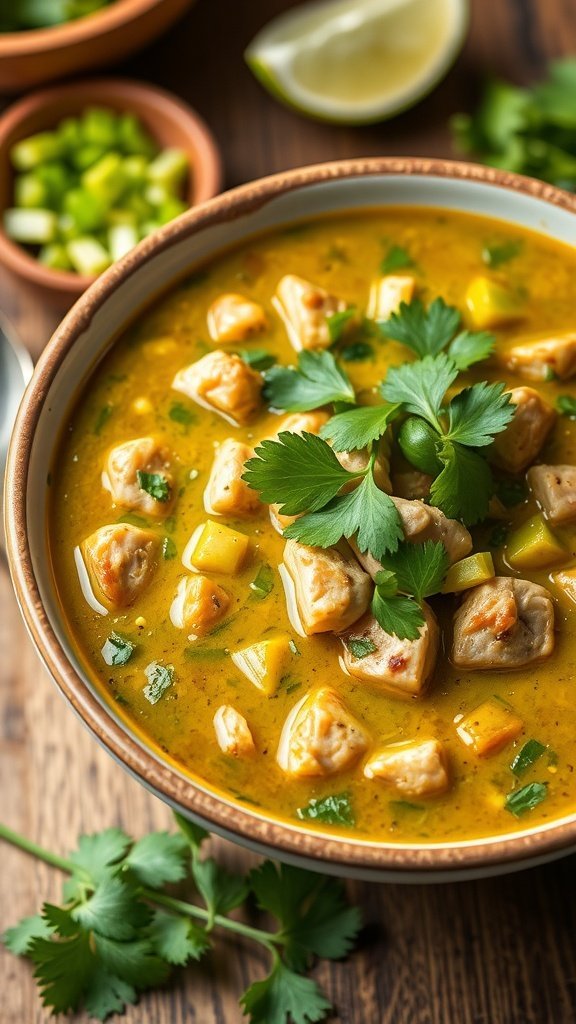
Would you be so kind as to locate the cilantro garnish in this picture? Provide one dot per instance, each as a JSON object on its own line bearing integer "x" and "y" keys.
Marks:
{"x": 357, "y": 428}
{"x": 154, "y": 484}
{"x": 412, "y": 573}
{"x": 180, "y": 413}
{"x": 396, "y": 258}
{"x": 566, "y": 406}
{"x": 318, "y": 380}
{"x": 169, "y": 549}
{"x": 357, "y": 352}
{"x": 117, "y": 650}
{"x": 335, "y": 809}
{"x": 160, "y": 678}
{"x": 526, "y": 799}
{"x": 263, "y": 583}
{"x": 497, "y": 253}
{"x": 430, "y": 331}
{"x": 257, "y": 358}
{"x": 118, "y": 932}
{"x": 528, "y": 754}
{"x": 337, "y": 323}
{"x": 360, "y": 646}
{"x": 102, "y": 418}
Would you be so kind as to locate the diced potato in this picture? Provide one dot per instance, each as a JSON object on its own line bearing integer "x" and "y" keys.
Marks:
{"x": 320, "y": 736}
{"x": 233, "y": 732}
{"x": 534, "y": 546}
{"x": 491, "y": 304}
{"x": 565, "y": 580}
{"x": 264, "y": 663}
{"x": 233, "y": 318}
{"x": 223, "y": 382}
{"x": 198, "y": 606}
{"x": 469, "y": 572}
{"x": 214, "y": 547}
{"x": 489, "y": 728}
{"x": 305, "y": 309}
{"x": 503, "y": 624}
{"x": 331, "y": 591}
{"x": 121, "y": 559}
{"x": 386, "y": 294}
{"x": 543, "y": 358}
{"x": 402, "y": 668}
{"x": 226, "y": 492}
{"x": 554, "y": 488}
{"x": 144, "y": 455}
{"x": 418, "y": 768}
{"x": 520, "y": 443}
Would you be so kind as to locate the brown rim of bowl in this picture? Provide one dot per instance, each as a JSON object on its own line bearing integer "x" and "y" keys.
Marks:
{"x": 108, "y": 90}
{"x": 117, "y": 16}
{"x": 177, "y": 790}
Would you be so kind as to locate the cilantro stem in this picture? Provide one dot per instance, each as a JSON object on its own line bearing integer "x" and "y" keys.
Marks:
{"x": 37, "y": 851}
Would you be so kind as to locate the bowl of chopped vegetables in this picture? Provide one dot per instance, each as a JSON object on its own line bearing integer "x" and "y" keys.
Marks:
{"x": 45, "y": 39}
{"x": 88, "y": 170}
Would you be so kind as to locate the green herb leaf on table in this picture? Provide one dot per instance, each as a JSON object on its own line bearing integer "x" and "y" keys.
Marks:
{"x": 335, "y": 809}
{"x": 317, "y": 381}
{"x": 158, "y": 858}
{"x": 176, "y": 938}
{"x": 154, "y": 484}
{"x": 397, "y": 258}
{"x": 284, "y": 995}
{"x": 117, "y": 650}
{"x": 98, "y": 853}
{"x": 19, "y": 938}
{"x": 566, "y": 406}
{"x": 357, "y": 428}
{"x": 529, "y": 753}
{"x": 526, "y": 799}
{"x": 160, "y": 678}
{"x": 338, "y": 322}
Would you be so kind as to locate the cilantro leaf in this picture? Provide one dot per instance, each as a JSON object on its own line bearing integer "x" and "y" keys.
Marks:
{"x": 117, "y": 650}
{"x": 398, "y": 615}
{"x": 566, "y": 405}
{"x": 263, "y": 582}
{"x": 357, "y": 428}
{"x": 526, "y": 799}
{"x": 113, "y": 910}
{"x": 220, "y": 889}
{"x": 478, "y": 413}
{"x": 528, "y": 754}
{"x": 317, "y": 381}
{"x": 97, "y": 853}
{"x": 425, "y": 331}
{"x": 64, "y": 970}
{"x": 257, "y": 358}
{"x": 18, "y": 938}
{"x": 334, "y": 809}
{"x": 357, "y": 352}
{"x": 105, "y": 994}
{"x": 470, "y": 347}
{"x": 396, "y": 258}
{"x": 360, "y": 646}
{"x": 169, "y": 549}
{"x": 421, "y": 386}
{"x": 154, "y": 484}
{"x": 102, "y": 418}
{"x": 464, "y": 487}
{"x": 158, "y": 858}
{"x": 284, "y": 996}
{"x": 177, "y": 939}
{"x": 298, "y": 471}
{"x": 160, "y": 678}
{"x": 497, "y": 253}
{"x": 180, "y": 413}
{"x": 134, "y": 962}
{"x": 337, "y": 323}
{"x": 419, "y": 568}
{"x": 194, "y": 834}
{"x": 366, "y": 512}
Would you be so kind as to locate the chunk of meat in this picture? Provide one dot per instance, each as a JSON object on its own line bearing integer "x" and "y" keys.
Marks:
{"x": 505, "y": 623}
{"x": 320, "y": 736}
{"x": 121, "y": 476}
{"x": 519, "y": 444}
{"x": 412, "y": 484}
{"x": 301, "y": 422}
{"x": 387, "y": 293}
{"x": 331, "y": 591}
{"x": 232, "y": 318}
{"x": 199, "y": 605}
{"x": 420, "y": 523}
{"x": 233, "y": 732}
{"x": 304, "y": 309}
{"x": 554, "y": 488}
{"x": 414, "y": 768}
{"x": 544, "y": 358}
{"x": 121, "y": 560}
{"x": 226, "y": 492}
{"x": 489, "y": 728}
{"x": 402, "y": 668}
{"x": 223, "y": 382}
{"x": 355, "y": 461}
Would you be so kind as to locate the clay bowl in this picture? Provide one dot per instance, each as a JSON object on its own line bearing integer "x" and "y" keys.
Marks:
{"x": 170, "y": 121}
{"x": 83, "y": 338}
{"x": 31, "y": 58}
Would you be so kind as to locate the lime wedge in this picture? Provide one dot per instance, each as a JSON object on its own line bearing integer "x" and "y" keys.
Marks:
{"x": 358, "y": 61}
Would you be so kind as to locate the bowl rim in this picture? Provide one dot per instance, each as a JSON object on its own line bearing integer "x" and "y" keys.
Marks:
{"x": 113, "y": 91}
{"x": 28, "y": 42}
{"x": 236, "y": 821}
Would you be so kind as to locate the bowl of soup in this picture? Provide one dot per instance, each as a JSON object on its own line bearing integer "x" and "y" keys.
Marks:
{"x": 291, "y": 517}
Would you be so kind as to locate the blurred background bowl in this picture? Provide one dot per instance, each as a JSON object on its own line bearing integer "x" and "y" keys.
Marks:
{"x": 170, "y": 122}
{"x": 40, "y": 55}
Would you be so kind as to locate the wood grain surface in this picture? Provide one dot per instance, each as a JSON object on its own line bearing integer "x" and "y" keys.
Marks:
{"x": 501, "y": 951}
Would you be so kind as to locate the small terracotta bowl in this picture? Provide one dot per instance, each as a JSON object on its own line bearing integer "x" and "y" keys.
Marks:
{"x": 31, "y": 58}
{"x": 169, "y": 121}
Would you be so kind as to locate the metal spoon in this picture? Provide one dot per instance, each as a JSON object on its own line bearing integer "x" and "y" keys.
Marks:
{"x": 15, "y": 371}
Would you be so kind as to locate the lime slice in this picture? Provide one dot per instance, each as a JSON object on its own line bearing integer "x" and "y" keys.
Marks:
{"x": 358, "y": 61}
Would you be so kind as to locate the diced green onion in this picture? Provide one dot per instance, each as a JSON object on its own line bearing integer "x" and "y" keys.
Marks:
{"x": 36, "y": 149}
{"x": 169, "y": 169}
{"x": 121, "y": 239}
{"x": 55, "y": 257}
{"x": 88, "y": 256}
{"x": 526, "y": 799}
{"x": 30, "y": 192}
{"x": 32, "y": 227}
{"x": 263, "y": 583}
{"x": 527, "y": 756}
{"x": 106, "y": 178}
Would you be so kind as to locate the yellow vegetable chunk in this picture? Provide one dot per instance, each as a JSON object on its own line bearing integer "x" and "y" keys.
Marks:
{"x": 489, "y": 728}
{"x": 264, "y": 663}
{"x": 214, "y": 547}
{"x": 491, "y": 304}
{"x": 534, "y": 546}
{"x": 386, "y": 294}
{"x": 565, "y": 580}
{"x": 469, "y": 572}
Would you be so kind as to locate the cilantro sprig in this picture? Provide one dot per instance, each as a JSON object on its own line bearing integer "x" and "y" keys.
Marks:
{"x": 118, "y": 933}
{"x": 411, "y": 574}
{"x": 427, "y": 332}
{"x": 318, "y": 380}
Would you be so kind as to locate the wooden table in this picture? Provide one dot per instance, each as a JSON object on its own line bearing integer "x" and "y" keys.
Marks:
{"x": 500, "y": 951}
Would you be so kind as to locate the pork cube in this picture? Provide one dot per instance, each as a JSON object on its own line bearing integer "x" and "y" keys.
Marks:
{"x": 554, "y": 488}
{"x": 233, "y": 732}
{"x": 305, "y": 309}
{"x": 137, "y": 474}
{"x": 320, "y": 736}
{"x": 301, "y": 422}
{"x": 356, "y": 461}
{"x": 544, "y": 358}
{"x": 489, "y": 727}
{"x": 411, "y": 484}
{"x": 223, "y": 382}
{"x": 417, "y": 768}
{"x": 198, "y": 606}
{"x": 505, "y": 623}
{"x": 519, "y": 444}
{"x": 121, "y": 560}
{"x": 233, "y": 318}
{"x": 387, "y": 293}
{"x": 331, "y": 591}
{"x": 402, "y": 668}
{"x": 226, "y": 492}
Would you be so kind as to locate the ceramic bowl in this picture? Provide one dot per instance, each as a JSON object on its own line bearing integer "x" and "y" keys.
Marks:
{"x": 169, "y": 121}
{"x": 82, "y": 339}
{"x": 31, "y": 58}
